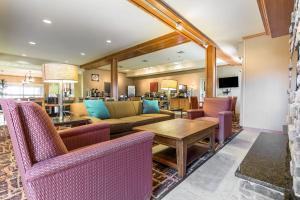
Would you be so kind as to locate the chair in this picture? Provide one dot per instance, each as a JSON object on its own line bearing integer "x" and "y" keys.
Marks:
{"x": 217, "y": 110}
{"x": 59, "y": 166}
{"x": 233, "y": 105}
{"x": 194, "y": 102}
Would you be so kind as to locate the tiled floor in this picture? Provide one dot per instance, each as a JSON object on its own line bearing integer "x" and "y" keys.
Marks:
{"x": 215, "y": 180}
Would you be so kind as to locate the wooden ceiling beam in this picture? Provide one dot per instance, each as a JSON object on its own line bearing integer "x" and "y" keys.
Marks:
{"x": 276, "y": 16}
{"x": 170, "y": 17}
{"x": 162, "y": 42}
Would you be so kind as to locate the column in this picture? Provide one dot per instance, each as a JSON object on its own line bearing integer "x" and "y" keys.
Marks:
{"x": 210, "y": 71}
{"x": 114, "y": 79}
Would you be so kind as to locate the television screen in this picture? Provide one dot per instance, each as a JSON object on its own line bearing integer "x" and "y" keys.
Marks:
{"x": 229, "y": 82}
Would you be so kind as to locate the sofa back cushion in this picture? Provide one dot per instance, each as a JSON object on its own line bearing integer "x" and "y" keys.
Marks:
{"x": 138, "y": 107}
{"x": 212, "y": 106}
{"x": 117, "y": 109}
{"x": 123, "y": 109}
{"x": 97, "y": 108}
{"x": 42, "y": 137}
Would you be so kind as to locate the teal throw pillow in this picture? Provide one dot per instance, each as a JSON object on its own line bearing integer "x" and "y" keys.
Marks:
{"x": 150, "y": 106}
{"x": 97, "y": 108}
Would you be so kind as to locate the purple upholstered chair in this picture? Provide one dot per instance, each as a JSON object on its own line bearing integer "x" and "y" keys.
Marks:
{"x": 217, "y": 110}
{"x": 52, "y": 167}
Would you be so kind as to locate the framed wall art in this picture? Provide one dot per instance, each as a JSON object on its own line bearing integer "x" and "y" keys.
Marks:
{"x": 95, "y": 77}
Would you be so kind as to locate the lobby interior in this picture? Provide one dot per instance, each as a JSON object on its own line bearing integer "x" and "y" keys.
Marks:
{"x": 149, "y": 99}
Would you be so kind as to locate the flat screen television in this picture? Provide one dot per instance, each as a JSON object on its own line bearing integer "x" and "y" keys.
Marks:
{"x": 229, "y": 82}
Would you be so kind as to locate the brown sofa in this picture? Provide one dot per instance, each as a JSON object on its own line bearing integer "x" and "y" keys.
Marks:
{"x": 124, "y": 115}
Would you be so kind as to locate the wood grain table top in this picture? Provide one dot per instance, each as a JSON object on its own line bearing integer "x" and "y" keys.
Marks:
{"x": 177, "y": 128}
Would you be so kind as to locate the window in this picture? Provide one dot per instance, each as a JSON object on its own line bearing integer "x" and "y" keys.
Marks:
{"x": 16, "y": 90}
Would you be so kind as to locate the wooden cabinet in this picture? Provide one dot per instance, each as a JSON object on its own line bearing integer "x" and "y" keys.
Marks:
{"x": 182, "y": 103}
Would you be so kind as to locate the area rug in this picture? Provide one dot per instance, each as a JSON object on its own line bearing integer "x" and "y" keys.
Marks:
{"x": 164, "y": 178}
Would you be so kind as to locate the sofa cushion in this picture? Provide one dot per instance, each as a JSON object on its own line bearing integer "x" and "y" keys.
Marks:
{"x": 111, "y": 109}
{"x": 92, "y": 119}
{"x": 157, "y": 117}
{"x": 138, "y": 120}
{"x": 97, "y": 108}
{"x": 118, "y": 126}
{"x": 150, "y": 106}
{"x": 138, "y": 107}
{"x": 78, "y": 109}
{"x": 123, "y": 109}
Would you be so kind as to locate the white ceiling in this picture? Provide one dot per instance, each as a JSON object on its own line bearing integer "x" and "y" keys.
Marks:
{"x": 78, "y": 26}
{"x": 19, "y": 65}
{"x": 224, "y": 21}
{"x": 84, "y": 26}
{"x": 184, "y": 52}
{"x": 181, "y": 57}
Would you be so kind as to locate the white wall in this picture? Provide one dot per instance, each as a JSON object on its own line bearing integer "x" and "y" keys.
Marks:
{"x": 265, "y": 82}
{"x": 229, "y": 71}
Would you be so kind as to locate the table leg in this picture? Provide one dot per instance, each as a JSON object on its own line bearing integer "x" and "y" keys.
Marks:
{"x": 181, "y": 154}
{"x": 212, "y": 141}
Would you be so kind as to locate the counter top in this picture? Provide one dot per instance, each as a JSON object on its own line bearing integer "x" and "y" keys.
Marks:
{"x": 267, "y": 162}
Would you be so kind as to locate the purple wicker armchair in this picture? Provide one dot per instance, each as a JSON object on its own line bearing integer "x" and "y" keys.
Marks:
{"x": 52, "y": 167}
{"x": 216, "y": 110}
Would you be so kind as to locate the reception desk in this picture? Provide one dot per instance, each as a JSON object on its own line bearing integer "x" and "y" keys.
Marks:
{"x": 182, "y": 103}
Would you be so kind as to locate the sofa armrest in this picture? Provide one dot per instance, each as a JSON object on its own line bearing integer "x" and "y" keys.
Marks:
{"x": 117, "y": 169}
{"x": 195, "y": 113}
{"x": 167, "y": 112}
{"x": 86, "y": 135}
{"x": 225, "y": 114}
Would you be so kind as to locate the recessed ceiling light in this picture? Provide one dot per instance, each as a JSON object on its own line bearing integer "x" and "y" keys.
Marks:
{"x": 180, "y": 52}
{"x": 32, "y": 43}
{"x": 83, "y": 54}
{"x": 24, "y": 55}
{"x": 47, "y": 21}
{"x": 179, "y": 26}
{"x": 108, "y": 41}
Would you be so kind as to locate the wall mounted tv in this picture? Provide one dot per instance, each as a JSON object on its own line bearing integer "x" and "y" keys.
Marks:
{"x": 229, "y": 82}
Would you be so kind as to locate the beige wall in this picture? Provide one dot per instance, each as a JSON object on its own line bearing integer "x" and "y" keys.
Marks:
{"x": 104, "y": 77}
{"x": 265, "y": 82}
{"x": 190, "y": 78}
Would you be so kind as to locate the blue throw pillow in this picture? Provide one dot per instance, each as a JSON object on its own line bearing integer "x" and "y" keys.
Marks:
{"x": 97, "y": 108}
{"x": 150, "y": 106}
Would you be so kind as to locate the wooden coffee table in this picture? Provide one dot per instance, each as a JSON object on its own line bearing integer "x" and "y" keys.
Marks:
{"x": 182, "y": 135}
